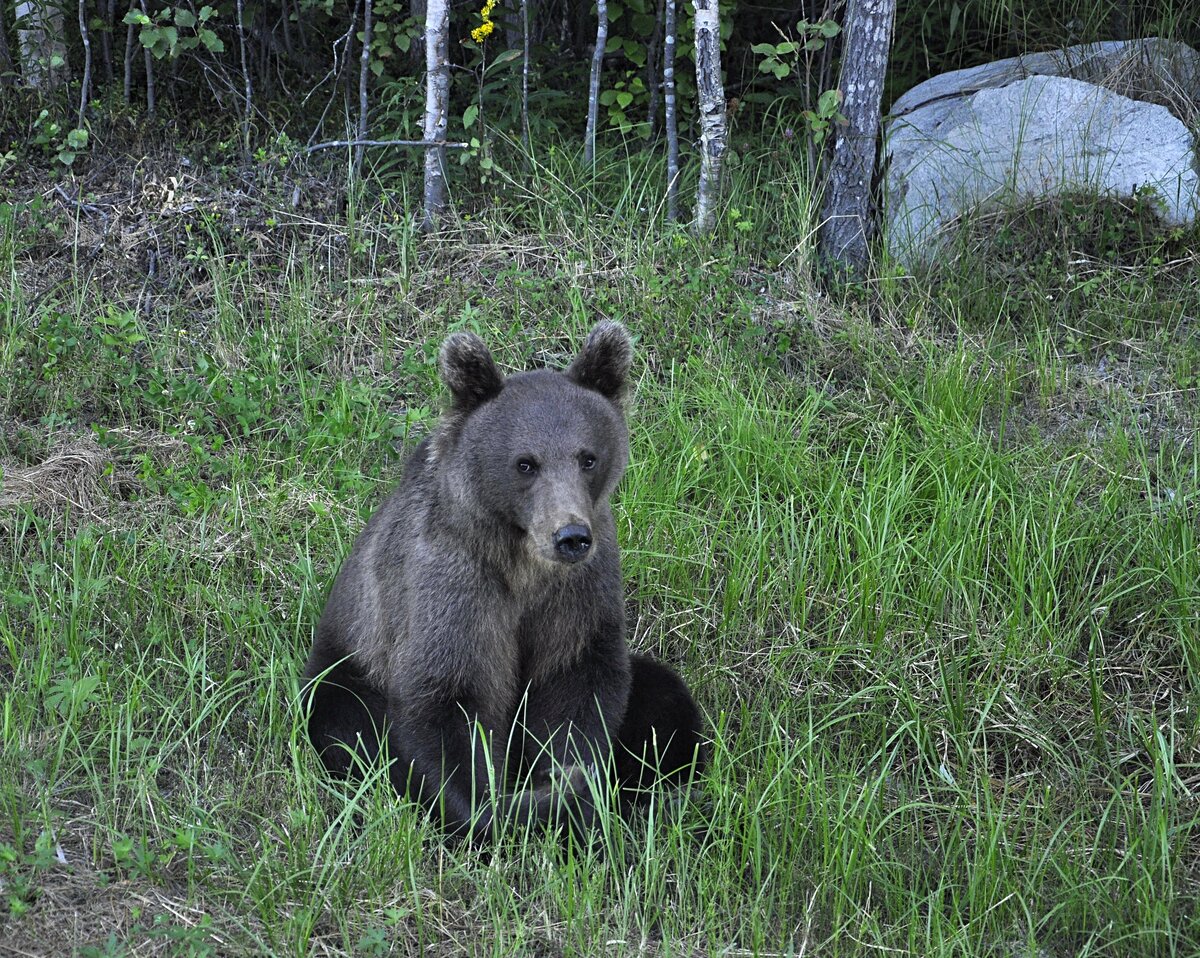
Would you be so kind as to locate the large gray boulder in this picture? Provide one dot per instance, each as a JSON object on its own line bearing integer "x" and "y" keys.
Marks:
{"x": 1017, "y": 130}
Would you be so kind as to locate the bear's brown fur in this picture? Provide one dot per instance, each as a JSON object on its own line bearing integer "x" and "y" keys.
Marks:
{"x": 483, "y": 601}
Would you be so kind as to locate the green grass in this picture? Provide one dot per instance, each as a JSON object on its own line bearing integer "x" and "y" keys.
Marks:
{"x": 928, "y": 558}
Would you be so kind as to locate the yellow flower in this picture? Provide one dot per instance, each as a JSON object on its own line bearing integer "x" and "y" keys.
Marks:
{"x": 484, "y": 30}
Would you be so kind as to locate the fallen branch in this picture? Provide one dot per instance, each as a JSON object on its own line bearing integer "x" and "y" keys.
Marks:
{"x": 426, "y": 143}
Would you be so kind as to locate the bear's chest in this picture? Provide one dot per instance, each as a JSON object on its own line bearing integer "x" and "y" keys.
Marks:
{"x": 550, "y": 638}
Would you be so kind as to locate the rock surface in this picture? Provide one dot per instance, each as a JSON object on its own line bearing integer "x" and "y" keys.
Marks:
{"x": 1017, "y": 130}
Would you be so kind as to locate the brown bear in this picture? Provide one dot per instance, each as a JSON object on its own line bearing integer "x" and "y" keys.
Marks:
{"x": 477, "y": 626}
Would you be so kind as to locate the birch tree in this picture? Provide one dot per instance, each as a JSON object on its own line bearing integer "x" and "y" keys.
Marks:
{"x": 85, "y": 88}
{"x": 589, "y": 137}
{"x": 710, "y": 96}
{"x": 41, "y": 43}
{"x": 670, "y": 121}
{"x": 846, "y": 217}
{"x": 437, "y": 104}
{"x": 364, "y": 75}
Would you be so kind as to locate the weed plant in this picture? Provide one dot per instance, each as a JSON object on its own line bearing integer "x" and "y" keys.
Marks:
{"x": 927, "y": 554}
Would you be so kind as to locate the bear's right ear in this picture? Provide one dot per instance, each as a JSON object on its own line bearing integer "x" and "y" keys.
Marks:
{"x": 468, "y": 370}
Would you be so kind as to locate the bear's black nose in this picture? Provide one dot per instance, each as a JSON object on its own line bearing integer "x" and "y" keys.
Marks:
{"x": 572, "y": 542}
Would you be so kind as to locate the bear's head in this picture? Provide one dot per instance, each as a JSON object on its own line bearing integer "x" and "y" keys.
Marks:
{"x": 537, "y": 454}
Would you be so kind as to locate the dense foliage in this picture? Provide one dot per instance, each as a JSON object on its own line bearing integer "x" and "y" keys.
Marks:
{"x": 289, "y": 69}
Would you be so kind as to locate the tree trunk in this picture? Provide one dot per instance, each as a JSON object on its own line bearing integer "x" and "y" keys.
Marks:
{"x": 670, "y": 120}
{"x": 246, "y": 81}
{"x": 846, "y": 217}
{"x": 710, "y": 94}
{"x": 437, "y": 103}
{"x": 41, "y": 44}
{"x": 108, "y": 11}
{"x": 128, "y": 87}
{"x": 6, "y": 61}
{"x": 148, "y": 58}
{"x": 589, "y": 137}
{"x": 364, "y": 73}
{"x": 652, "y": 71}
{"x": 525, "y": 138}
{"x": 85, "y": 88}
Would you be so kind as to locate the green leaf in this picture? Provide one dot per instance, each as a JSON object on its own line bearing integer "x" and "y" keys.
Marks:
{"x": 212, "y": 42}
{"x": 206, "y": 13}
{"x": 831, "y": 28}
{"x": 184, "y": 18}
{"x": 764, "y": 48}
{"x": 624, "y": 99}
{"x": 77, "y": 139}
{"x": 781, "y": 70}
{"x": 470, "y": 114}
{"x": 828, "y": 102}
{"x": 507, "y": 57}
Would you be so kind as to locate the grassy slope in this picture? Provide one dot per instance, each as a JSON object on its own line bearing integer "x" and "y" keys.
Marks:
{"x": 930, "y": 563}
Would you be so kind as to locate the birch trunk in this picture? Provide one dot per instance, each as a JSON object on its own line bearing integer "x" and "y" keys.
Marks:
{"x": 710, "y": 93}
{"x": 589, "y": 137}
{"x": 670, "y": 120}
{"x": 437, "y": 102}
{"x": 246, "y": 106}
{"x": 364, "y": 72}
{"x": 525, "y": 75}
{"x": 846, "y": 216}
{"x": 41, "y": 45}
{"x": 85, "y": 88}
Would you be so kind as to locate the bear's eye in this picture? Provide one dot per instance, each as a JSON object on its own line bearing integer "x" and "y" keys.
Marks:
{"x": 587, "y": 462}
{"x": 526, "y": 467}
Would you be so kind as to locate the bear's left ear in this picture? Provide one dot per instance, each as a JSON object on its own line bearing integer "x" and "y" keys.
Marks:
{"x": 603, "y": 363}
{"x": 469, "y": 371}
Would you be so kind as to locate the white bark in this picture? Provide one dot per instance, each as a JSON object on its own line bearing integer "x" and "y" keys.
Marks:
{"x": 589, "y": 137}
{"x": 364, "y": 73}
{"x": 525, "y": 74}
{"x": 85, "y": 88}
{"x": 710, "y": 93}
{"x": 241, "y": 29}
{"x": 437, "y": 102}
{"x": 670, "y": 119}
{"x": 846, "y": 217}
{"x": 40, "y": 43}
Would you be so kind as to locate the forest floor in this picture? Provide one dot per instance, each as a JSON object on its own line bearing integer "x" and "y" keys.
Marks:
{"x": 926, "y": 550}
